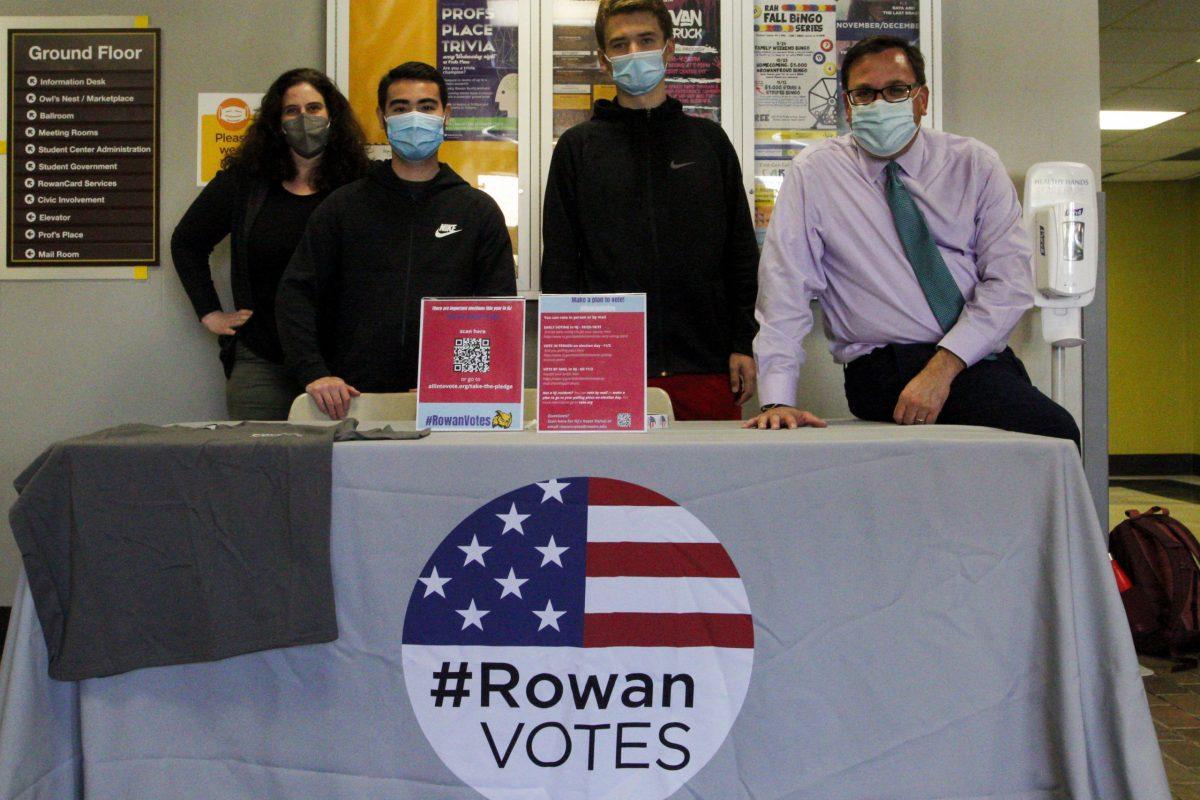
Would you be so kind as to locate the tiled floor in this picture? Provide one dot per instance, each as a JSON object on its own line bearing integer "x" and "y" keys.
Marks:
{"x": 1174, "y": 697}
{"x": 1175, "y": 706}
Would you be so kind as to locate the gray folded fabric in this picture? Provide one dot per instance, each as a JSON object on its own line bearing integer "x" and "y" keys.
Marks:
{"x": 148, "y": 545}
{"x": 384, "y": 434}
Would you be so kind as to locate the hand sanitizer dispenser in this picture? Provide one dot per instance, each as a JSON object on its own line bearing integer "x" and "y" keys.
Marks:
{"x": 1060, "y": 215}
{"x": 1064, "y": 244}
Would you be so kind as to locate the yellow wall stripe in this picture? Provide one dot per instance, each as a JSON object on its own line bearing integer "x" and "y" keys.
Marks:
{"x": 1153, "y": 367}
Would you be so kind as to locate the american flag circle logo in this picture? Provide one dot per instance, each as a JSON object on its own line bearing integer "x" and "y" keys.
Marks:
{"x": 582, "y": 638}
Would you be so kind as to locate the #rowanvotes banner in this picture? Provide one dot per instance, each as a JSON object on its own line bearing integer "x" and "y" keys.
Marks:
{"x": 578, "y": 637}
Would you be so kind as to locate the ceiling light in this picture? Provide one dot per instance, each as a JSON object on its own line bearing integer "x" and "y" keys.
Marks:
{"x": 1134, "y": 120}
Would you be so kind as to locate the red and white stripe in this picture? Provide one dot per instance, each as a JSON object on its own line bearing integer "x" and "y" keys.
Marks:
{"x": 656, "y": 577}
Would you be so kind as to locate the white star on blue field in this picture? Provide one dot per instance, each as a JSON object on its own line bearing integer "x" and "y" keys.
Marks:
{"x": 510, "y": 574}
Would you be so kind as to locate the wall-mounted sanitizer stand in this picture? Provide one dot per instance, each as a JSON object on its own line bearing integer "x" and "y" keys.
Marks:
{"x": 1061, "y": 217}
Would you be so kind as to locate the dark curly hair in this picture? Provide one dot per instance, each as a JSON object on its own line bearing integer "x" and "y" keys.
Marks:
{"x": 264, "y": 153}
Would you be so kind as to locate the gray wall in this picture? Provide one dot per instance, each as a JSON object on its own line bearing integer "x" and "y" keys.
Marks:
{"x": 1024, "y": 76}
{"x": 1095, "y": 379}
{"x": 79, "y": 356}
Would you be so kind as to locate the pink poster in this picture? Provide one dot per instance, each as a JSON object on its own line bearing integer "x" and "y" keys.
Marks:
{"x": 694, "y": 75}
{"x": 472, "y": 364}
{"x": 592, "y": 362}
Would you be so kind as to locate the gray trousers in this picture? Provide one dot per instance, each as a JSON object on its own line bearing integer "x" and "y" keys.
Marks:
{"x": 258, "y": 389}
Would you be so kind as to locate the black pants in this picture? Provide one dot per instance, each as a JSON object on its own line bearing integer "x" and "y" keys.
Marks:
{"x": 996, "y": 393}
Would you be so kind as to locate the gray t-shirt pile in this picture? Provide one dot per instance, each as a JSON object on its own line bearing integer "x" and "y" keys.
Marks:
{"x": 147, "y": 545}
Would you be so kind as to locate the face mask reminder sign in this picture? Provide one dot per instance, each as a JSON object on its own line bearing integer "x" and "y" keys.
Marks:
{"x": 222, "y": 119}
{"x": 592, "y": 362}
{"x": 471, "y": 373}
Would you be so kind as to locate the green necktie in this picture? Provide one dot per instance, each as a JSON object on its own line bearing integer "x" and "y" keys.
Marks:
{"x": 945, "y": 300}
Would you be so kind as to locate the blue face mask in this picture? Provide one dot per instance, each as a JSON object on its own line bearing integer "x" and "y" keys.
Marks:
{"x": 638, "y": 73}
{"x": 415, "y": 136}
{"x": 882, "y": 128}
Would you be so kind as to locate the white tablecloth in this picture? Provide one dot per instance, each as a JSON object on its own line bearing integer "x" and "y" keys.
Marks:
{"x": 934, "y": 616}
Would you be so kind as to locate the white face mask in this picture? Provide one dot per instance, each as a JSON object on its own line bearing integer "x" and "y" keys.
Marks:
{"x": 882, "y": 128}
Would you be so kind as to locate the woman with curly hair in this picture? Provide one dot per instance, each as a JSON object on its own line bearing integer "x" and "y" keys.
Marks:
{"x": 304, "y": 143}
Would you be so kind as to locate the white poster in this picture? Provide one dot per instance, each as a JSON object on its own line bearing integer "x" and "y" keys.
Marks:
{"x": 795, "y": 66}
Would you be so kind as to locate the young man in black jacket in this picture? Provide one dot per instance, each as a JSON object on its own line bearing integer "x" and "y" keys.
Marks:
{"x": 348, "y": 307}
{"x": 644, "y": 198}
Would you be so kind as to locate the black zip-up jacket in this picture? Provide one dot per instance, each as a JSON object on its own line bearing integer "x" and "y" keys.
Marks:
{"x": 349, "y": 302}
{"x": 652, "y": 201}
{"x": 227, "y": 206}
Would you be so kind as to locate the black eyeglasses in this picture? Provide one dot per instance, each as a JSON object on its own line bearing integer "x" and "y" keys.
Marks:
{"x": 896, "y": 93}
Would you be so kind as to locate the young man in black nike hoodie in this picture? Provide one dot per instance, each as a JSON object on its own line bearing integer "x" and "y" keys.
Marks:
{"x": 644, "y": 198}
{"x": 348, "y": 306}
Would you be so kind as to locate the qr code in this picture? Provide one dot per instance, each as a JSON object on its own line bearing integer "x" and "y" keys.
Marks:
{"x": 472, "y": 355}
{"x": 625, "y": 420}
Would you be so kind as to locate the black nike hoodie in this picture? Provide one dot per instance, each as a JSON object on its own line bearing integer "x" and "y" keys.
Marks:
{"x": 349, "y": 302}
{"x": 652, "y": 201}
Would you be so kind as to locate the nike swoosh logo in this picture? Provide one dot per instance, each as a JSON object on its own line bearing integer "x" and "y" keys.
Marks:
{"x": 681, "y": 166}
{"x": 441, "y": 234}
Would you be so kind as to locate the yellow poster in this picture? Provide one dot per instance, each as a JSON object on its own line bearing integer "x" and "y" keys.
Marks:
{"x": 387, "y": 33}
{"x": 222, "y": 119}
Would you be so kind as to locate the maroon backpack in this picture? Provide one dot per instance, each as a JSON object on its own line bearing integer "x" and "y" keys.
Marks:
{"x": 1162, "y": 560}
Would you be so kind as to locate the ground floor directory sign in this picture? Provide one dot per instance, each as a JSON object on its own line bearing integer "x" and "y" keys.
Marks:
{"x": 592, "y": 362}
{"x": 83, "y": 129}
{"x": 472, "y": 364}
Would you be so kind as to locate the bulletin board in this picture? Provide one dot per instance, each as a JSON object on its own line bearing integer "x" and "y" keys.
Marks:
{"x": 798, "y": 49}
{"x": 476, "y": 49}
{"x": 520, "y": 72}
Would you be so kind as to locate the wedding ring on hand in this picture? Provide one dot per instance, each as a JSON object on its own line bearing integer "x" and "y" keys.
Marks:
{"x": 920, "y": 420}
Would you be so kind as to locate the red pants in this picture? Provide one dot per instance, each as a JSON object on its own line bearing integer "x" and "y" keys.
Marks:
{"x": 700, "y": 396}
